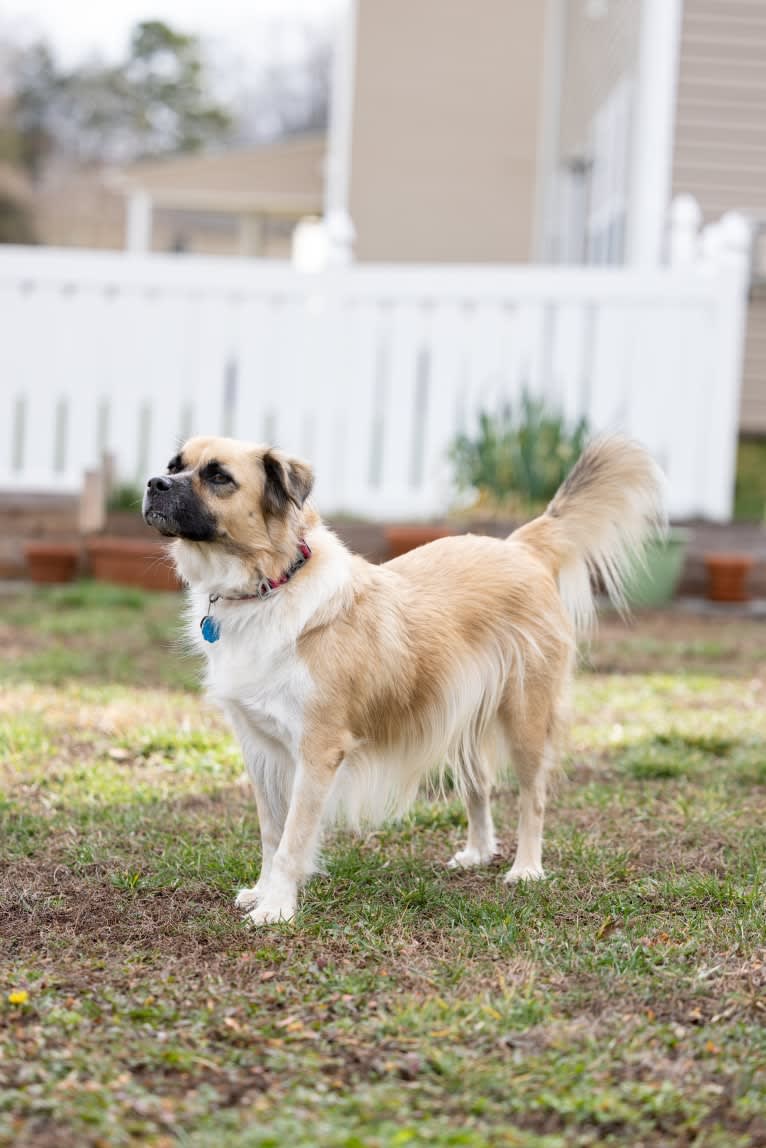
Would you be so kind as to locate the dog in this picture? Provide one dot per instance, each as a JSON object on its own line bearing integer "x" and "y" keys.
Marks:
{"x": 347, "y": 683}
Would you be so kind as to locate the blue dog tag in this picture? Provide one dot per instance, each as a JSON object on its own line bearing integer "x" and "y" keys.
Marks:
{"x": 211, "y": 630}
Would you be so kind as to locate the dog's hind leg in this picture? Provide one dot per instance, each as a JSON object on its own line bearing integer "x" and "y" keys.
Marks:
{"x": 476, "y": 783}
{"x": 533, "y": 725}
{"x": 532, "y": 762}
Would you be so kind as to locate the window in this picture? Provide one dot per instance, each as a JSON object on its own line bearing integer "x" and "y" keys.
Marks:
{"x": 607, "y": 201}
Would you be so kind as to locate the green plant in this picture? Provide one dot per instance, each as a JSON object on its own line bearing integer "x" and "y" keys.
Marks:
{"x": 525, "y": 451}
{"x": 125, "y": 496}
{"x": 16, "y": 224}
{"x": 750, "y": 490}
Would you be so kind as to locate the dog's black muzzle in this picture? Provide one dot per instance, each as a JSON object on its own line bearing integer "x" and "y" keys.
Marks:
{"x": 172, "y": 506}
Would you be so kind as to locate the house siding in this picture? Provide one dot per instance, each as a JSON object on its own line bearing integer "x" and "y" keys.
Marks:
{"x": 720, "y": 143}
{"x": 447, "y": 108}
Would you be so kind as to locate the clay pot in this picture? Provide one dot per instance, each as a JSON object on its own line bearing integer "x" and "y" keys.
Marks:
{"x": 132, "y": 562}
{"x": 401, "y": 539}
{"x": 727, "y": 576}
{"x": 52, "y": 561}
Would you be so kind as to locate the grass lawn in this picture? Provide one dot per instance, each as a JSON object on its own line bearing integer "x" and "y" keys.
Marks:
{"x": 621, "y": 1001}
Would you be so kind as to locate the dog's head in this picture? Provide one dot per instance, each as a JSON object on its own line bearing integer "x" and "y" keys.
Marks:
{"x": 236, "y": 508}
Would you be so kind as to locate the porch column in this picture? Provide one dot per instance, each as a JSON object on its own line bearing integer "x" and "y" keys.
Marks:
{"x": 654, "y": 109}
{"x": 138, "y": 221}
{"x": 251, "y": 234}
{"x": 337, "y": 188}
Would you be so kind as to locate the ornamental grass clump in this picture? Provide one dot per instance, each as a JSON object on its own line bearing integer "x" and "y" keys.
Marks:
{"x": 517, "y": 458}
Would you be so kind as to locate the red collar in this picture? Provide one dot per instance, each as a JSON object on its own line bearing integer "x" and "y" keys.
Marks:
{"x": 267, "y": 586}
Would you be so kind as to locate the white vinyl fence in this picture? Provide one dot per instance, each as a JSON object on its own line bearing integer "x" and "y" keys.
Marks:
{"x": 368, "y": 371}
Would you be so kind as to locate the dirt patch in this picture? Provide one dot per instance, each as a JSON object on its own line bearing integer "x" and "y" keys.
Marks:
{"x": 673, "y": 641}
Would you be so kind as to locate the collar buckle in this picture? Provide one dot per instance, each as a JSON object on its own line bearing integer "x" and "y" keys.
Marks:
{"x": 264, "y": 589}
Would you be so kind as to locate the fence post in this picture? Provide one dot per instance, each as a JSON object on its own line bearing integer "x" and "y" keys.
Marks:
{"x": 109, "y": 471}
{"x": 684, "y": 223}
{"x": 92, "y": 514}
{"x": 726, "y": 251}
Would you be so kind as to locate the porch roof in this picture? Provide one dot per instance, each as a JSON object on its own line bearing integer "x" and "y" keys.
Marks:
{"x": 284, "y": 178}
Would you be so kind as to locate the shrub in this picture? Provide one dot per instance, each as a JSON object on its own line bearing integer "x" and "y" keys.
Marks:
{"x": 519, "y": 455}
{"x": 126, "y": 496}
{"x": 15, "y": 221}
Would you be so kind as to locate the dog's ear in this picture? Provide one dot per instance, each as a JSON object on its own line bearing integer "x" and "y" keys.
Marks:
{"x": 288, "y": 481}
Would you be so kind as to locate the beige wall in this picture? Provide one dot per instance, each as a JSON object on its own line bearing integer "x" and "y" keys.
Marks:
{"x": 77, "y": 210}
{"x": 720, "y": 153}
{"x": 598, "y": 53}
{"x": 445, "y": 129}
{"x": 81, "y": 211}
{"x": 197, "y": 199}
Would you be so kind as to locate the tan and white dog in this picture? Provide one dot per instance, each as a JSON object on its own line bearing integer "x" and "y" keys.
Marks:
{"x": 348, "y": 683}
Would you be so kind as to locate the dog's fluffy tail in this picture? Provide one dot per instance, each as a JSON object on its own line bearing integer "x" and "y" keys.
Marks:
{"x": 598, "y": 522}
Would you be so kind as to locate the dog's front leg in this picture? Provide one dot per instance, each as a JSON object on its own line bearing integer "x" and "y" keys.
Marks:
{"x": 271, "y": 803}
{"x": 270, "y": 769}
{"x": 294, "y": 859}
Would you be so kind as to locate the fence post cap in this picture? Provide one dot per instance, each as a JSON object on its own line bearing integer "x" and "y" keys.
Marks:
{"x": 735, "y": 231}
{"x": 341, "y": 235}
{"x": 728, "y": 240}
{"x": 685, "y": 212}
{"x": 684, "y": 220}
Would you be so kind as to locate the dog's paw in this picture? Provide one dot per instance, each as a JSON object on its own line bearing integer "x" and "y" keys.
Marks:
{"x": 470, "y": 859}
{"x": 523, "y": 873}
{"x": 247, "y": 898}
{"x": 272, "y": 912}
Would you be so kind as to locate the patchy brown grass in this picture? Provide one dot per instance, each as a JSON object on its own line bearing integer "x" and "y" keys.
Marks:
{"x": 677, "y": 642}
{"x": 621, "y": 1001}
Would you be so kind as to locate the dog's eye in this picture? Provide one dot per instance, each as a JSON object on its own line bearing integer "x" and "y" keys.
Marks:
{"x": 215, "y": 475}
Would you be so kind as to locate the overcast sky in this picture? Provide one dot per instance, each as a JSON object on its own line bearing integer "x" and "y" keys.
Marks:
{"x": 79, "y": 28}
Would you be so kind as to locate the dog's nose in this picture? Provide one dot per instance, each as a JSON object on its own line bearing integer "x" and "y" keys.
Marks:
{"x": 161, "y": 482}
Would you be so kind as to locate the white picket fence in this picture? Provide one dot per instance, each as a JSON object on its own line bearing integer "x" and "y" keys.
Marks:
{"x": 368, "y": 371}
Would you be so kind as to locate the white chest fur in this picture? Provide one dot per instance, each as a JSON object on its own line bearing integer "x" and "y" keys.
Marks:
{"x": 254, "y": 667}
{"x": 264, "y": 679}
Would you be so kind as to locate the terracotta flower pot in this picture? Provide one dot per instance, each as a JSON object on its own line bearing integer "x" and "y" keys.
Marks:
{"x": 727, "y": 576}
{"x": 132, "y": 562}
{"x": 401, "y": 539}
{"x": 52, "y": 561}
